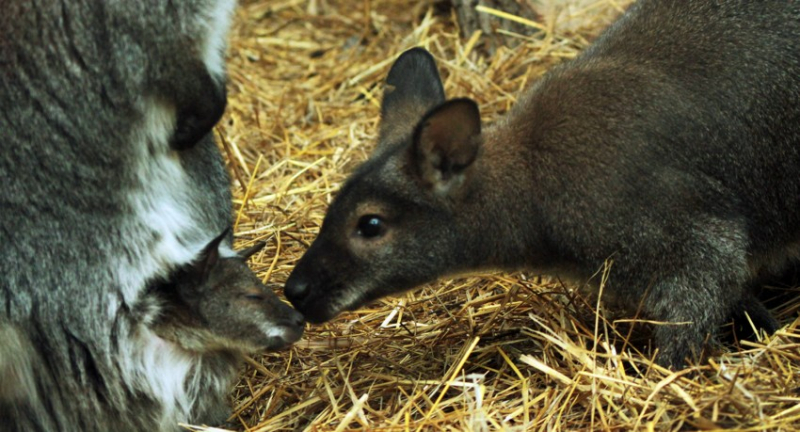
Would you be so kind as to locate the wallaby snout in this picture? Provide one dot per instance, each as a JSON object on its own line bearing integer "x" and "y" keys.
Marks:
{"x": 665, "y": 149}
{"x": 397, "y": 222}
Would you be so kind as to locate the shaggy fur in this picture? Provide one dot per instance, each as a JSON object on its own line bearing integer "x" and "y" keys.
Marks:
{"x": 96, "y": 202}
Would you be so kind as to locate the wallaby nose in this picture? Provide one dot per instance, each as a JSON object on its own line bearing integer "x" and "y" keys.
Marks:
{"x": 296, "y": 290}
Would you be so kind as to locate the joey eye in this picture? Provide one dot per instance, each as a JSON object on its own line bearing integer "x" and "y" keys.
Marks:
{"x": 258, "y": 297}
{"x": 371, "y": 226}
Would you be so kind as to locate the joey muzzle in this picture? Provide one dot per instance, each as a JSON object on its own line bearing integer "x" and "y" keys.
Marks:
{"x": 292, "y": 325}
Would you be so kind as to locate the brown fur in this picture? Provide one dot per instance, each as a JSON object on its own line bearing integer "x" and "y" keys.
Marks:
{"x": 670, "y": 148}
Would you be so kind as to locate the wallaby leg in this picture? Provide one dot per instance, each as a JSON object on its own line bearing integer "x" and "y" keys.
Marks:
{"x": 750, "y": 306}
{"x": 688, "y": 317}
{"x": 693, "y": 303}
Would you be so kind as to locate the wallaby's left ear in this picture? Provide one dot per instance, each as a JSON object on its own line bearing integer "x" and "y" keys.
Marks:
{"x": 252, "y": 250}
{"x": 413, "y": 87}
{"x": 209, "y": 256}
{"x": 446, "y": 143}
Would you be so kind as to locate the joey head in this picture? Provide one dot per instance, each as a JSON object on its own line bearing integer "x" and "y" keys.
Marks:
{"x": 218, "y": 303}
{"x": 205, "y": 317}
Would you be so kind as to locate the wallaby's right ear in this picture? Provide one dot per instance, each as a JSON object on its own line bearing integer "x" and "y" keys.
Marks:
{"x": 252, "y": 250}
{"x": 446, "y": 143}
{"x": 413, "y": 88}
{"x": 209, "y": 256}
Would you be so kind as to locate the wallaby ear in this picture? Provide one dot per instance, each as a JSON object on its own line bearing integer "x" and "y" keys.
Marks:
{"x": 446, "y": 143}
{"x": 209, "y": 256}
{"x": 413, "y": 87}
{"x": 252, "y": 250}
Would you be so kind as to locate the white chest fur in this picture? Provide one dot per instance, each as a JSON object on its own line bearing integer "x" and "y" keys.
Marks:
{"x": 217, "y": 20}
{"x": 164, "y": 233}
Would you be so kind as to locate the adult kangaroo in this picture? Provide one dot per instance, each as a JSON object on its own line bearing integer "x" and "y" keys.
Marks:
{"x": 110, "y": 181}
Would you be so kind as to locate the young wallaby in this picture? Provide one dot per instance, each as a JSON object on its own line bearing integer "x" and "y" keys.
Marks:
{"x": 217, "y": 303}
{"x": 96, "y": 96}
{"x": 669, "y": 148}
{"x": 209, "y": 313}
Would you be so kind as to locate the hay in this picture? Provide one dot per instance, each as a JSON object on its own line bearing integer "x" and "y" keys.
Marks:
{"x": 496, "y": 352}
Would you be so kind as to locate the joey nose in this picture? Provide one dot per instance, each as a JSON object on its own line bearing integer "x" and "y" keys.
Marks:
{"x": 296, "y": 290}
{"x": 297, "y": 319}
{"x": 293, "y": 327}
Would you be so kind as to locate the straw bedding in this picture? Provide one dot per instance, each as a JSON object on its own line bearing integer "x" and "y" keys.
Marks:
{"x": 492, "y": 352}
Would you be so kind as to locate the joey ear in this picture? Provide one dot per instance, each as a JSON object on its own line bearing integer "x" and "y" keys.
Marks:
{"x": 252, "y": 250}
{"x": 209, "y": 256}
{"x": 413, "y": 87}
{"x": 446, "y": 143}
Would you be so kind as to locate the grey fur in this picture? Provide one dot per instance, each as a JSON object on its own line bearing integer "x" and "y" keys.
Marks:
{"x": 670, "y": 148}
{"x": 96, "y": 203}
{"x": 210, "y": 313}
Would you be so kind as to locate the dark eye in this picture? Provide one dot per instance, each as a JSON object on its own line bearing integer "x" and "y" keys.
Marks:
{"x": 370, "y": 226}
{"x": 258, "y": 297}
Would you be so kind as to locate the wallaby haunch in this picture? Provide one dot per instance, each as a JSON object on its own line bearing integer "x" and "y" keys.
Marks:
{"x": 209, "y": 313}
{"x": 97, "y": 97}
{"x": 670, "y": 147}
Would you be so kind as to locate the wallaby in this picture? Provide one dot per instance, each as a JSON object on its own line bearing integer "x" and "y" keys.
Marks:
{"x": 96, "y": 97}
{"x": 670, "y": 148}
{"x": 206, "y": 315}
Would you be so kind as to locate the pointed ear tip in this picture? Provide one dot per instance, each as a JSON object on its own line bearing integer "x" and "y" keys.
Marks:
{"x": 252, "y": 250}
{"x": 413, "y": 59}
{"x": 466, "y": 106}
{"x": 216, "y": 241}
{"x": 466, "y": 102}
{"x": 223, "y": 234}
{"x": 416, "y": 51}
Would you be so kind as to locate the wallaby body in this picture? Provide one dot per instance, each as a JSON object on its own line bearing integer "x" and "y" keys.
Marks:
{"x": 95, "y": 96}
{"x": 670, "y": 148}
{"x": 205, "y": 316}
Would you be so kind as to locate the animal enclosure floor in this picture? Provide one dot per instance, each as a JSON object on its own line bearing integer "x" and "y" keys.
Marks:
{"x": 491, "y": 352}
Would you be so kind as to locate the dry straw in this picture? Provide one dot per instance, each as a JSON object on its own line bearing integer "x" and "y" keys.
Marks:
{"x": 495, "y": 352}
